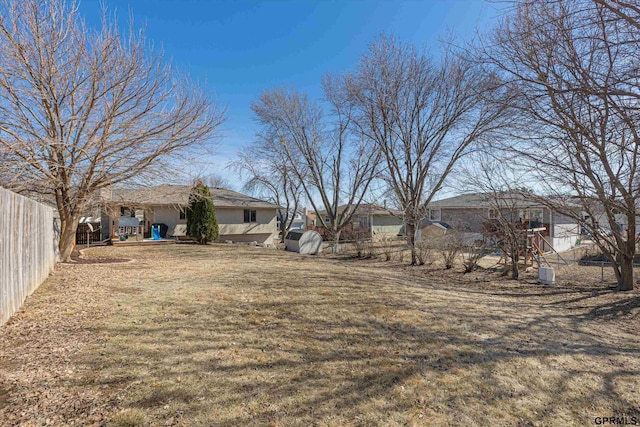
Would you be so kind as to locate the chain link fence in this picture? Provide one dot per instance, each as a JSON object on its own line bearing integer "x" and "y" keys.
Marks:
{"x": 584, "y": 264}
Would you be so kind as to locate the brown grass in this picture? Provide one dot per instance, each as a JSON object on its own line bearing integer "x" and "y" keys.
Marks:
{"x": 233, "y": 335}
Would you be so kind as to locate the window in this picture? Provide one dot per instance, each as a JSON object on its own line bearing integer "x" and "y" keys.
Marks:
{"x": 434, "y": 215}
{"x": 493, "y": 214}
{"x": 183, "y": 214}
{"x": 127, "y": 212}
{"x": 531, "y": 214}
{"x": 536, "y": 215}
{"x": 249, "y": 215}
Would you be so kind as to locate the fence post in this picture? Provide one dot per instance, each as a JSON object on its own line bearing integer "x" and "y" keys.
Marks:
{"x": 602, "y": 272}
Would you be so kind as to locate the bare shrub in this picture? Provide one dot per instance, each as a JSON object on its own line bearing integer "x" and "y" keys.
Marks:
{"x": 387, "y": 249}
{"x": 374, "y": 250}
{"x": 398, "y": 253}
{"x": 449, "y": 249}
{"x": 472, "y": 254}
{"x": 362, "y": 244}
{"x": 424, "y": 252}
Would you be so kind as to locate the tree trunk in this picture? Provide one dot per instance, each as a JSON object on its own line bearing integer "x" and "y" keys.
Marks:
{"x": 283, "y": 226}
{"x": 411, "y": 241}
{"x": 68, "y": 228}
{"x": 625, "y": 279}
{"x": 283, "y": 230}
{"x": 515, "y": 272}
{"x": 335, "y": 236}
{"x": 625, "y": 283}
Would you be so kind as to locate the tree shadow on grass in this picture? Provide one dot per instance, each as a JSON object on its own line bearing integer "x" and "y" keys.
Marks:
{"x": 319, "y": 369}
{"x": 346, "y": 345}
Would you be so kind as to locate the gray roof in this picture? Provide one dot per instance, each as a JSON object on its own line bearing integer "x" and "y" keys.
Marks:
{"x": 178, "y": 195}
{"x": 482, "y": 200}
{"x": 369, "y": 209}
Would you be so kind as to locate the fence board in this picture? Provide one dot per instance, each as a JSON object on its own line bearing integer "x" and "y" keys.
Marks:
{"x": 27, "y": 249}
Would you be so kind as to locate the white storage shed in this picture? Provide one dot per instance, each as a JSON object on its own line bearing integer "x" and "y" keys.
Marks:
{"x": 304, "y": 242}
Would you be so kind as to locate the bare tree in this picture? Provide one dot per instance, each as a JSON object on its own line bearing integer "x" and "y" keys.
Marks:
{"x": 333, "y": 167}
{"x": 81, "y": 110}
{"x": 629, "y": 11}
{"x": 217, "y": 180}
{"x": 423, "y": 115}
{"x": 503, "y": 190}
{"x": 270, "y": 176}
{"x": 575, "y": 66}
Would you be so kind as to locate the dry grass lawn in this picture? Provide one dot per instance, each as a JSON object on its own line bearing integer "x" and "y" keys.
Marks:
{"x": 231, "y": 335}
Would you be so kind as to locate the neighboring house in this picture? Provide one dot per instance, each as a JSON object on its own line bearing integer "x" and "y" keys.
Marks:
{"x": 310, "y": 218}
{"x": 621, "y": 221}
{"x": 371, "y": 220}
{"x": 241, "y": 218}
{"x": 299, "y": 220}
{"x": 475, "y": 212}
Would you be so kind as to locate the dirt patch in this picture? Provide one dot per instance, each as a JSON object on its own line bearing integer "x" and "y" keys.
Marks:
{"x": 4, "y": 398}
{"x": 125, "y": 290}
{"x": 79, "y": 257}
{"x": 98, "y": 260}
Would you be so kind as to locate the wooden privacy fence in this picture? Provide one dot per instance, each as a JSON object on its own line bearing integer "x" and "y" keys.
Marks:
{"x": 27, "y": 249}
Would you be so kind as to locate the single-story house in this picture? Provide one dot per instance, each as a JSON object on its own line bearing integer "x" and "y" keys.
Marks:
{"x": 241, "y": 218}
{"x": 475, "y": 213}
{"x": 372, "y": 220}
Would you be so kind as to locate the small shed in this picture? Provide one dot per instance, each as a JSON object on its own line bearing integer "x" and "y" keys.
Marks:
{"x": 304, "y": 242}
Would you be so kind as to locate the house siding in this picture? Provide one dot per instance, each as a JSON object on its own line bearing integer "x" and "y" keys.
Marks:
{"x": 166, "y": 215}
{"x": 232, "y": 226}
{"x": 230, "y": 223}
{"x": 386, "y": 225}
{"x": 464, "y": 219}
{"x": 559, "y": 218}
{"x": 564, "y": 230}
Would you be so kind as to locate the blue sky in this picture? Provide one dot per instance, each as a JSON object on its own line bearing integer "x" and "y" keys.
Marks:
{"x": 241, "y": 48}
